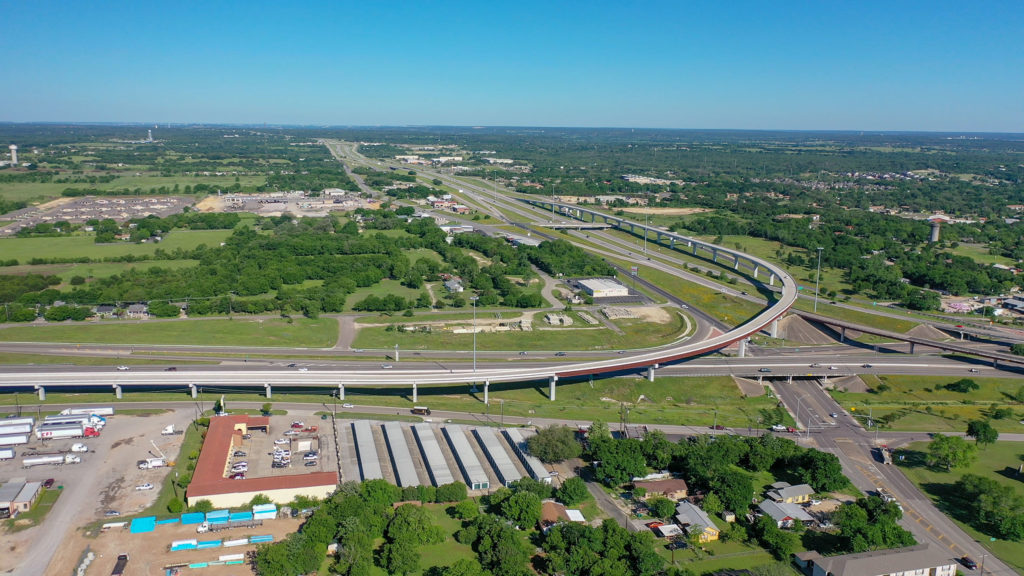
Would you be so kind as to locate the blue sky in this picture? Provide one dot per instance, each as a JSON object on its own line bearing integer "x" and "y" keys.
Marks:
{"x": 866, "y": 65}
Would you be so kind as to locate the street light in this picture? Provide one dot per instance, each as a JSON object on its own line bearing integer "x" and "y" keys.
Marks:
{"x": 797, "y": 415}
{"x": 817, "y": 280}
{"x": 473, "y": 299}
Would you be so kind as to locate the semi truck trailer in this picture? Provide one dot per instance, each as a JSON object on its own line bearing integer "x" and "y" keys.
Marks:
{"x": 6, "y": 429}
{"x": 97, "y": 411}
{"x": 14, "y": 440}
{"x": 88, "y": 420}
{"x": 53, "y": 459}
{"x": 58, "y": 431}
{"x": 6, "y": 453}
{"x": 20, "y": 420}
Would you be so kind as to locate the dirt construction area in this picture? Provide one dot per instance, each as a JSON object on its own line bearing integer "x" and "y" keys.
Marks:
{"x": 150, "y": 552}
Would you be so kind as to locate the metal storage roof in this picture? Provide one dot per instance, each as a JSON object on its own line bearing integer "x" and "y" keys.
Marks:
{"x": 497, "y": 455}
{"x": 432, "y": 455}
{"x": 369, "y": 463}
{"x": 401, "y": 459}
{"x": 472, "y": 470}
{"x": 10, "y": 491}
{"x": 534, "y": 466}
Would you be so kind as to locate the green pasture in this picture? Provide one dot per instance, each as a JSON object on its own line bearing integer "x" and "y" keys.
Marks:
{"x": 238, "y": 331}
{"x": 24, "y": 249}
{"x": 921, "y": 403}
{"x": 579, "y": 336}
{"x": 34, "y": 191}
{"x": 998, "y": 462}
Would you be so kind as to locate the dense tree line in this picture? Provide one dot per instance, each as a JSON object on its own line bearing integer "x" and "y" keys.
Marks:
{"x": 991, "y": 507}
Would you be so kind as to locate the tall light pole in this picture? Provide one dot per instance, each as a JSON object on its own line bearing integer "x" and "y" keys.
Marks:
{"x": 798, "y": 404}
{"x": 473, "y": 299}
{"x": 817, "y": 280}
{"x": 647, "y": 222}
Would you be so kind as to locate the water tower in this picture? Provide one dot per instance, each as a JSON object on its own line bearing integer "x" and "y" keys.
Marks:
{"x": 14, "y": 154}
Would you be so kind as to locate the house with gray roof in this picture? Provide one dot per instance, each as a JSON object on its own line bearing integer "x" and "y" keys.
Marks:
{"x": 784, "y": 492}
{"x": 920, "y": 560}
{"x": 784, "y": 513}
{"x": 693, "y": 519}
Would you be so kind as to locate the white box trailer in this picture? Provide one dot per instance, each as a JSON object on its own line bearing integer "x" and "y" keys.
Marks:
{"x": 150, "y": 463}
{"x": 87, "y": 419}
{"x": 97, "y": 411}
{"x": 6, "y": 453}
{"x": 14, "y": 440}
{"x": 20, "y": 420}
{"x": 6, "y": 429}
{"x": 54, "y": 459}
{"x": 57, "y": 431}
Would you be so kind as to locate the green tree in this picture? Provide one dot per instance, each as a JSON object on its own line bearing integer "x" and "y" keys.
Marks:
{"x": 399, "y": 557}
{"x": 982, "y": 432}
{"x": 712, "y": 504}
{"x": 463, "y": 567}
{"x": 661, "y": 507}
{"x": 175, "y": 506}
{"x": 266, "y": 408}
{"x": 963, "y": 386}
{"x": 259, "y": 499}
{"x": 554, "y": 444}
{"x": 572, "y": 491}
{"x": 203, "y": 506}
{"x": 1017, "y": 349}
{"x": 822, "y": 471}
{"x": 466, "y": 510}
{"x": 523, "y": 509}
{"x": 950, "y": 451}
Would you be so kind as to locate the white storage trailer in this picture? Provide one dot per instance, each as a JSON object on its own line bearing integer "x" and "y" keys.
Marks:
{"x": 57, "y": 431}
{"x": 87, "y": 419}
{"x": 6, "y": 453}
{"x": 21, "y": 420}
{"x": 98, "y": 411}
{"x": 52, "y": 459}
{"x": 14, "y": 440}
{"x": 6, "y": 429}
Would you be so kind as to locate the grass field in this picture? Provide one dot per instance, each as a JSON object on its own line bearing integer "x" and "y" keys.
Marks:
{"x": 636, "y": 334}
{"x": 998, "y": 462}
{"x": 10, "y": 358}
{"x": 924, "y": 406}
{"x": 276, "y": 332}
{"x": 667, "y": 400}
{"x": 24, "y": 249}
{"x": 980, "y": 254}
{"x": 383, "y": 288}
{"x": 32, "y": 191}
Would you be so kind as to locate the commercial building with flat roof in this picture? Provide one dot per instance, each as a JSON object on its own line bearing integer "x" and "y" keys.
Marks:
{"x": 210, "y": 480}
{"x": 920, "y": 560}
{"x": 603, "y": 288}
{"x": 472, "y": 470}
{"x": 401, "y": 458}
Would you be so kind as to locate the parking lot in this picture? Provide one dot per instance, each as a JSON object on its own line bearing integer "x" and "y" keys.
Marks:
{"x": 259, "y": 449}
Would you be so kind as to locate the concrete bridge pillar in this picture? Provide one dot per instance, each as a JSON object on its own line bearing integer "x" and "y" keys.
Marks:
{"x": 650, "y": 373}
{"x": 117, "y": 391}
{"x": 268, "y": 390}
{"x": 341, "y": 390}
{"x": 790, "y": 379}
{"x": 672, "y": 243}
{"x": 415, "y": 395}
{"x": 487, "y": 390}
{"x": 736, "y": 264}
{"x": 775, "y": 329}
{"x": 714, "y": 255}
{"x": 694, "y": 245}
{"x": 192, "y": 390}
{"x": 41, "y": 391}
{"x": 743, "y": 348}
{"x": 995, "y": 363}
{"x": 551, "y": 387}
{"x": 771, "y": 279}
{"x": 756, "y": 270}
{"x": 911, "y": 347}
{"x": 842, "y": 334}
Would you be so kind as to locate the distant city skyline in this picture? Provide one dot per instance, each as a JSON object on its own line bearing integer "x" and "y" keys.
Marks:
{"x": 939, "y": 66}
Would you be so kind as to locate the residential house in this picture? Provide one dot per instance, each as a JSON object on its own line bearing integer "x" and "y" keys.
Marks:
{"x": 920, "y": 560}
{"x": 104, "y": 310}
{"x": 695, "y": 520}
{"x": 784, "y": 492}
{"x": 671, "y": 488}
{"x": 138, "y": 311}
{"x": 785, "y": 514}
{"x": 454, "y": 285}
{"x": 552, "y": 513}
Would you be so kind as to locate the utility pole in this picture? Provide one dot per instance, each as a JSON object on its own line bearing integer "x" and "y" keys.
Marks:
{"x": 396, "y": 352}
{"x": 473, "y": 299}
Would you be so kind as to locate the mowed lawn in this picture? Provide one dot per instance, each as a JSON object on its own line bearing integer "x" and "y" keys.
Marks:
{"x": 24, "y": 249}
{"x": 925, "y": 405}
{"x": 998, "y": 462}
{"x": 29, "y": 191}
{"x": 271, "y": 332}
